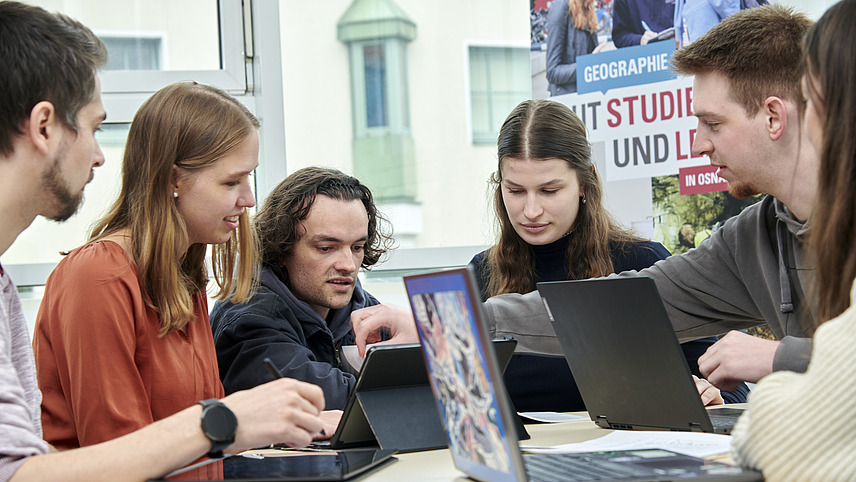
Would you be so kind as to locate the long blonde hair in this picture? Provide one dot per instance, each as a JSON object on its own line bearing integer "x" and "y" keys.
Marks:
{"x": 544, "y": 129}
{"x": 190, "y": 126}
{"x": 584, "y": 14}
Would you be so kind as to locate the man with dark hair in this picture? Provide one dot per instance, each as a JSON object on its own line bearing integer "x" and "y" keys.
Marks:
{"x": 61, "y": 84}
{"x": 752, "y": 270}
{"x": 316, "y": 230}
{"x": 50, "y": 109}
{"x": 69, "y": 55}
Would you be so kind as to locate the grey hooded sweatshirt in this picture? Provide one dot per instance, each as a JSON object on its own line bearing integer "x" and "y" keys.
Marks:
{"x": 752, "y": 270}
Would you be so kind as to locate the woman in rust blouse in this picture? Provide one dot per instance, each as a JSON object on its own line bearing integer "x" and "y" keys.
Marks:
{"x": 122, "y": 335}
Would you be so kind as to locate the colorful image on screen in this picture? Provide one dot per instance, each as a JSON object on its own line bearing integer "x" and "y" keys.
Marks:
{"x": 456, "y": 363}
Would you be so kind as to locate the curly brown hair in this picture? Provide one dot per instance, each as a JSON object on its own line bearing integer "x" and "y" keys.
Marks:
{"x": 277, "y": 222}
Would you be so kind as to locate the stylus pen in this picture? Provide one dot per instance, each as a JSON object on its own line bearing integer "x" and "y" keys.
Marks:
{"x": 272, "y": 368}
{"x": 275, "y": 372}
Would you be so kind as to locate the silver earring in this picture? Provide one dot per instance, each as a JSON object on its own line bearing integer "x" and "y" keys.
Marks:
{"x": 583, "y": 198}
{"x": 175, "y": 194}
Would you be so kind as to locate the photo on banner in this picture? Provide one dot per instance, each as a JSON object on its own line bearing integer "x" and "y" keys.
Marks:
{"x": 609, "y": 60}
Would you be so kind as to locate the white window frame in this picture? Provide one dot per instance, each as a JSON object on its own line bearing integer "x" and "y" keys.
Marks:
{"x": 124, "y": 91}
{"x": 251, "y": 33}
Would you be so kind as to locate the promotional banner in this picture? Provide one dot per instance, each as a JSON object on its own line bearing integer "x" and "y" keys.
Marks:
{"x": 638, "y": 112}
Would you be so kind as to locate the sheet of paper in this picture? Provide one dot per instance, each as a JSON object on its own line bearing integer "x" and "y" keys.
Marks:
{"x": 696, "y": 444}
{"x": 551, "y": 417}
{"x": 351, "y": 358}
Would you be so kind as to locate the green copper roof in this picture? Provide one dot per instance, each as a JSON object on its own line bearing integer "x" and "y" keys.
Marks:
{"x": 372, "y": 19}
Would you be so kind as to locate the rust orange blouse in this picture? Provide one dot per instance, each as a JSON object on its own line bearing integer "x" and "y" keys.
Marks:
{"x": 102, "y": 368}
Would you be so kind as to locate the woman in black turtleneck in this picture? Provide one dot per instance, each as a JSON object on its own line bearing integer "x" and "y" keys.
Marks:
{"x": 553, "y": 226}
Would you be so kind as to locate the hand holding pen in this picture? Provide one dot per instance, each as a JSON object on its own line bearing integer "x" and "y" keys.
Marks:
{"x": 273, "y": 370}
{"x": 648, "y": 35}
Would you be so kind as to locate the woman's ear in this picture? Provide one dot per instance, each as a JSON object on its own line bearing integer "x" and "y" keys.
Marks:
{"x": 583, "y": 184}
{"x": 173, "y": 179}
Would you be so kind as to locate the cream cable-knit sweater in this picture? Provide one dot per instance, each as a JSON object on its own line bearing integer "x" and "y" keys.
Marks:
{"x": 803, "y": 426}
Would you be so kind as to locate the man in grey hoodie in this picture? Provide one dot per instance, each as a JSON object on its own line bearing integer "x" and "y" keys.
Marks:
{"x": 752, "y": 270}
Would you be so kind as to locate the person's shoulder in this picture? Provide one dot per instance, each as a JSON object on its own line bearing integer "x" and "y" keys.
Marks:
{"x": 751, "y": 221}
{"x": 478, "y": 258}
{"x": 479, "y": 265}
{"x": 262, "y": 296}
{"x": 842, "y": 326}
{"x": 96, "y": 261}
{"x": 755, "y": 212}
{"x": 103, "y": 250}
{"x": 645, "y": 246}
{"x": 637, "y": 254}
{"x": 264, "y": 304}
{"x": 559, "y": 6}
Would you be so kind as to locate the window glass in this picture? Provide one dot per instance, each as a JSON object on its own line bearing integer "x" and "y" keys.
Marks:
{"x": 499, "y": 80}
{"x": 151, "y": 35}
{"x": 375, "y": 65}
{"x": 187, "y": 32}
{"x": 133, "y": 53}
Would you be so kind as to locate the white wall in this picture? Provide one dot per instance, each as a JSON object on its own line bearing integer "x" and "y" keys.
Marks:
{"x": 452, "y": 173}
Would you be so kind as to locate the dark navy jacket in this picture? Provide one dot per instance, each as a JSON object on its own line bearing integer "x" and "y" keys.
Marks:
{"x": 628, "y": 15}
{"x": 275, "y": 324}
{"x": 545, "y": 383}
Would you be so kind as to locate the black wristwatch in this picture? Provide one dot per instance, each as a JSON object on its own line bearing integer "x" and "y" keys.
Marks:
{"x": 219, "y": 424}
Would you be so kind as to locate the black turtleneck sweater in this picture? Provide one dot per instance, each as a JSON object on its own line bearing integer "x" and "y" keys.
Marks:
{"x": 545, "y": 383}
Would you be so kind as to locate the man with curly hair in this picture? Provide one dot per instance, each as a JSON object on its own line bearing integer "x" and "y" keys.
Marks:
{"x": 316, "y": 230}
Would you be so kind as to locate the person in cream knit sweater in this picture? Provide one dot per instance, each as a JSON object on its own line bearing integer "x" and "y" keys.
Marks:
{"x": 777, "y": 435}
{"x": 780, "y": 436}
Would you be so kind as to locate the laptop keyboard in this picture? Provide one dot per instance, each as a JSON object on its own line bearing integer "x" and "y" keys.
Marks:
{"x": 723, "y": 419}
{"x": 570, "y": 466}
{"x": 722, "y": 422}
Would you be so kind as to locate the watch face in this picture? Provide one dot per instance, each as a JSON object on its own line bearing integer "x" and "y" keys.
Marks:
{"x": 219, "y": 423}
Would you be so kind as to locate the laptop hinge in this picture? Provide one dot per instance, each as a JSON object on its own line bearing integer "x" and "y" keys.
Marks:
{"x": 695, "y": 427}
{"x": 602, "y": 421}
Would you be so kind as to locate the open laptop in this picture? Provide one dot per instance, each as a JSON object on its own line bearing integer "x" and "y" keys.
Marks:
{"x": 475, "y": 408}
{"x": 629, "y": 367}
